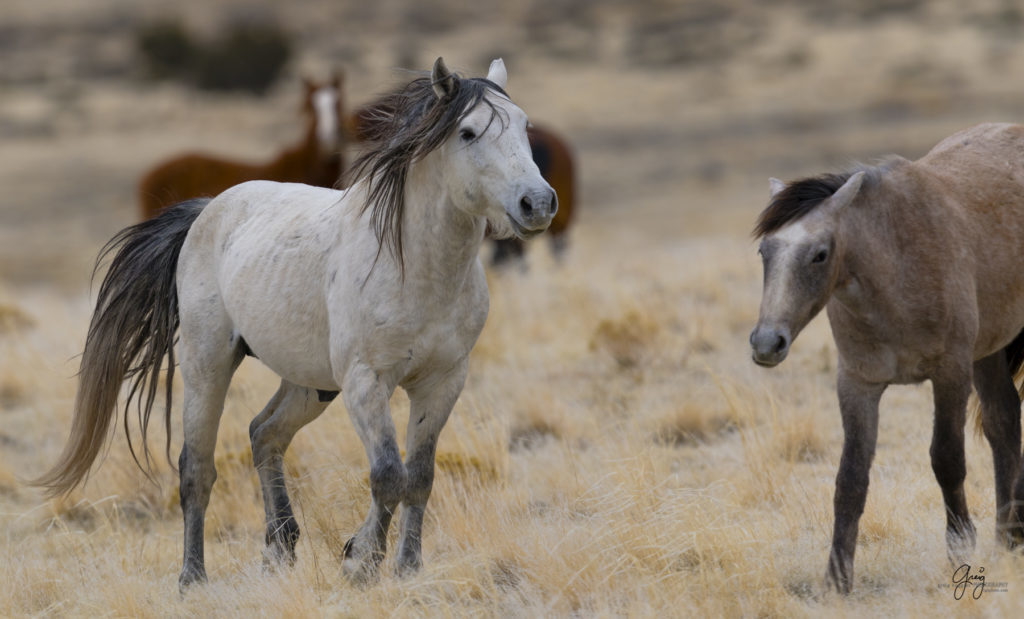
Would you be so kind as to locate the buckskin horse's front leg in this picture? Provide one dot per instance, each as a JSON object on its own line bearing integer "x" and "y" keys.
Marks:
{"x": 1000, "y": 420}
{"x": 366, "y": 397}
{"x": 858, "y": 404}
{"x": 948, "y": 461}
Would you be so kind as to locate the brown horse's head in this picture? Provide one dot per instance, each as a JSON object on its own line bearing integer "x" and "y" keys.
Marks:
{"x": 800, "y": 251}
{"x": 323, "y": 106}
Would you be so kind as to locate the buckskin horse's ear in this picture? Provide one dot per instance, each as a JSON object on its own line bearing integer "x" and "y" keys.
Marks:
{"x": 845, "y": 194}
{"x": 442, "y": 79}
{"x": 775, "y": 186}
{"x": 497, "y": 73}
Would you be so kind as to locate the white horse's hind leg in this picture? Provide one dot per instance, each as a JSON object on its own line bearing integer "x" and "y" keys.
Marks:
{"x": 429, "y": 410}
{"x": 271, "y": 432}
{"x": 209, "y": 357}
{"x": 366, "y": 398}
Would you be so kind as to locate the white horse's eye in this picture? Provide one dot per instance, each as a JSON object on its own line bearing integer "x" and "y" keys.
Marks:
{"x": 820, "y": 257}
{"x": 467, "y": 135}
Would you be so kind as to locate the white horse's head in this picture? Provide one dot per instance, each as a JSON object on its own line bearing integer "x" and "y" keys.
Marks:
{"x": 489, "y": 169}
{"x": 475, "y": 139}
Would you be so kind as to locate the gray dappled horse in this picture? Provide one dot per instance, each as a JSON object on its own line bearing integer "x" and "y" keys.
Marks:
{"x": 362, "y": 291}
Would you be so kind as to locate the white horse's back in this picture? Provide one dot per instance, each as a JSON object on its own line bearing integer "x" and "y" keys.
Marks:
{"x": 269, "y": 241}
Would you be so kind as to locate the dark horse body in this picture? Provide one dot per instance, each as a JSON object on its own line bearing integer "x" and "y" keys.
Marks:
{"x": 316, "y": 160}
{"x": 921, "y": 267}
{"x": 553, "y": 156}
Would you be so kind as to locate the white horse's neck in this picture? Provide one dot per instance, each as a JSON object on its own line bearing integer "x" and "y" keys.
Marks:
{"x": 441, "y": 242}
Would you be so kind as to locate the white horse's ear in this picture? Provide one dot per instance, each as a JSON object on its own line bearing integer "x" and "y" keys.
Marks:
{"x": 442, "y": 79}
{"x": 497, "y": 73}
{"x": 775, "y": 186}
{"x": 845, "y": 194}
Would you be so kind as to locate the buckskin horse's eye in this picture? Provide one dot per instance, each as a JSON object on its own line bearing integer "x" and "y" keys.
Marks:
{"x": 467, "y": 135}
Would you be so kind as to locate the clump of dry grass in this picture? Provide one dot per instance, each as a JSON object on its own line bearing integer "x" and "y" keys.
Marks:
{"x": 625, "y": 339}
{"x": 13, "y": 318}
{"x": 692, "y": 423}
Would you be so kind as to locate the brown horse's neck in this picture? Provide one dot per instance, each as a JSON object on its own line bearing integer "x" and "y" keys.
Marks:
{"x": 307, "y": 162}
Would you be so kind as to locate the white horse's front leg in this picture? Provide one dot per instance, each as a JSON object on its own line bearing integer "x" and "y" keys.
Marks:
{"x": 430, "y": 405}
{"x": 366, "y": 397}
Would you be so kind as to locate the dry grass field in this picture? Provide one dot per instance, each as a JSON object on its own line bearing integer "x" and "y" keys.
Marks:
{"x": 615, "y": 452}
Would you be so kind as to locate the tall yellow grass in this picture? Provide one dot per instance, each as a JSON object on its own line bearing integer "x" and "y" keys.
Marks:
{"x": 614, "y": 453}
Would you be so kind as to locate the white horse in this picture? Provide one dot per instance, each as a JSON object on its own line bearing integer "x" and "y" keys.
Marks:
{"x": 361, "y": 291}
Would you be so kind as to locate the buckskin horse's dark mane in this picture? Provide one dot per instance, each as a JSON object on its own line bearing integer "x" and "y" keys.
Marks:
{"x": 798, "y": 199}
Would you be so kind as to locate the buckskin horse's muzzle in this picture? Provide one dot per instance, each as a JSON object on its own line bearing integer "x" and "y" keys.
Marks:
{"x": 770, "y": 345}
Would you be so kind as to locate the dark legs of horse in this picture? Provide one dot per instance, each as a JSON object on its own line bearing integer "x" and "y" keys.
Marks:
{"x": 559, "y": 244}
{"x": 271, "y": 432}
{"x": 858, "y": 403}
{"x": 1000, "y": 420}
{"x": 206, "y": 374}
{"x": 507, "y": 250}
{"x": 366, "y": 398}
{"x": 428, "y": 413}
{"x": 948, "y": 460}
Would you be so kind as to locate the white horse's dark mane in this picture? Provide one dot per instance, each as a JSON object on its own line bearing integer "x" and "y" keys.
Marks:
{"x": 402, "y": 127}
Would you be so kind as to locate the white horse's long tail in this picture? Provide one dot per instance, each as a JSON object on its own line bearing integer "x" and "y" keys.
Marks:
{"x": 132, "y": 330}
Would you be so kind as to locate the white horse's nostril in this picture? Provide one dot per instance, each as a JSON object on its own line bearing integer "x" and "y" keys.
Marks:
{"x": 526, "y": 204}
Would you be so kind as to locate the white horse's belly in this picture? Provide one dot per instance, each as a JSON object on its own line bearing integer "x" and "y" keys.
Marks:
{"x": 272, "y": 278}
{"x": 283, "y": 325}
{"x": 305, "y": 371}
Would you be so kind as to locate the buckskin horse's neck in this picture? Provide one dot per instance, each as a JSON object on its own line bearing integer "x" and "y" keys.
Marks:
{"x": 306, "y": 162}
{"x": 872, "y": 236}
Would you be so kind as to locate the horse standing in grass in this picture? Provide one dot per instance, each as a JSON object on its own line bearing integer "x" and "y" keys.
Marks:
{"x": 920, "y": 266}
{"x": 361, "y": 291}
{"x": 550, "y": 151}
{"x": 316, "y": 160}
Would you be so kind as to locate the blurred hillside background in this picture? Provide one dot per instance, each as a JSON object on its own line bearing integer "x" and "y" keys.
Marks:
{"x": 678, "y": 110}
{"x": 615, "y": 452}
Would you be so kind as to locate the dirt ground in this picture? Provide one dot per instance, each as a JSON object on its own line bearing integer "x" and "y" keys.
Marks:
{"x": 615, "y": 451}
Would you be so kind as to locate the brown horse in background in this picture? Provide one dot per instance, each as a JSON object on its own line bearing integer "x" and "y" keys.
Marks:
{"x": 551, "y": 153}
{"x": 920, "y": 266}
{"x": 316, "y": 160}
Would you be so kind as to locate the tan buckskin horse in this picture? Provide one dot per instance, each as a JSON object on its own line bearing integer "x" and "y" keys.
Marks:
{"x": 920, "y": 266}
{"x": 316, "y": 160}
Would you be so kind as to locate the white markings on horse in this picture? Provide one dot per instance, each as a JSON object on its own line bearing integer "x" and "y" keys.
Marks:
{"x": 325, "y": 103}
